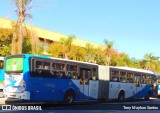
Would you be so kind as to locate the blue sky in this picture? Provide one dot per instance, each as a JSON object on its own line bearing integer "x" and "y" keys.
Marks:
{"x": 134, "y": 25}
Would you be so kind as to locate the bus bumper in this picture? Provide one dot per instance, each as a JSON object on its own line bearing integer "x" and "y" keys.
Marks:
{"x": 23, "y": 95}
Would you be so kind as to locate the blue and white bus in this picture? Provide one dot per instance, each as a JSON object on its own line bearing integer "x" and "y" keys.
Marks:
{"x": 1, "y": 76}
{"x": 41, "y": 78}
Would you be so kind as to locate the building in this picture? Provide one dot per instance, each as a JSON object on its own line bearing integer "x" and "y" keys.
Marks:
{"x": 47, "y": 37}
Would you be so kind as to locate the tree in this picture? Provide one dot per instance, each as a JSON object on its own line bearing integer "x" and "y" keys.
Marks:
{"x": 90, "y": 53}
{"x": 67, "y": 42}
{"x": 55, "y": 49}
{"x": 22, "y": 8}
{"x": 100, "y": 56}
{"x": 77, "y": 53}
{"x": 123, "y": 60}
{"x": 5, "y": 41}
{"x": 109, "y": 45}
{"x": 150, "y": 62}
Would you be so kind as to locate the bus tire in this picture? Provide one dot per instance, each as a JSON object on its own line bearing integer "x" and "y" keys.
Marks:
{"x": 121, "y": 96}
{"x": 147, "y": 97}
{"x": 69, "y": 97}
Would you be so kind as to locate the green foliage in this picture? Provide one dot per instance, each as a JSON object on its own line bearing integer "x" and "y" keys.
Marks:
{"x": 77, "y": 53}
{"x": 99, "y": 56}
{"x": 26, "y": 46}
{"x": 90, "y": 53}
{"x": 6, "y": 36}
{"x": 5, "y": 51}
{"x": 123, "y": 60}
{"x": 5, "y": 41}
{"x": 55, "y": 49}
{"x": 40, "y": 50}
{"x": 66, "y": 45}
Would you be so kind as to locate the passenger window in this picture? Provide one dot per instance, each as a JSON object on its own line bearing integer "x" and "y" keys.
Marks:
{"x": 72, "y": 71}
{"x": 39, "y": 65}
{"x": 94, "y": 75}
{"x": 123, "y": 76}
{"x": 146, "y": 79}
{"x": 130, "y": 77}
{"x": 46, "y": 65}
{"x": 114, "y": 75}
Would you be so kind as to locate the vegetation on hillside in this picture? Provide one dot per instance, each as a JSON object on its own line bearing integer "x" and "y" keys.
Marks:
{"x": 65, "y": 48}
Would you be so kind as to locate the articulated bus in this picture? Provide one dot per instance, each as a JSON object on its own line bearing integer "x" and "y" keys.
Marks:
{"x": 1, "y": 76}
{"x": 42, "y": 78}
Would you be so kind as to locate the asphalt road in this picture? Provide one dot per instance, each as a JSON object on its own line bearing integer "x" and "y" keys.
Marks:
{"x": 130, "y": 106}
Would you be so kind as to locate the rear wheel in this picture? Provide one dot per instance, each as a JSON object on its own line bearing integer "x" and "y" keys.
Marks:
{"x": 69, "y": 97}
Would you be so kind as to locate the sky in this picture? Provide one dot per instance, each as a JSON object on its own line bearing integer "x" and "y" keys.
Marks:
{"x": 133, "y": 25}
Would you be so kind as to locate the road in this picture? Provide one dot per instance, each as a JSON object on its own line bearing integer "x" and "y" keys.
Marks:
{"x": 130, "y": 106}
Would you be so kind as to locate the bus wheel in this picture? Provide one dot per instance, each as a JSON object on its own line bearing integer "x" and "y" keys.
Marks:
{"x": 147, "y": 97}
{"x": 121, "y": 96}
{"x": 69, "y": 97}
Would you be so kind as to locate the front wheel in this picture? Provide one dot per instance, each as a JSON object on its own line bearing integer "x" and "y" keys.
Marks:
{"x": 69, "y": 97}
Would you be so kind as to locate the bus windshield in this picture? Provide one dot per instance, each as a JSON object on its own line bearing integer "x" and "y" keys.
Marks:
{"x": 14, "y": 64}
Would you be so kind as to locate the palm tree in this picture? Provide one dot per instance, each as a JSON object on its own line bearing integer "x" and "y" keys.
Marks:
{"x": 22, "y": 8}
{"x": 90, "y": 53}
{"x": 150, "y": 62}
{"x": 109, "y": 45}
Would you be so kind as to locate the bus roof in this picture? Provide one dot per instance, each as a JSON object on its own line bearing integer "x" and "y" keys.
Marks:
{"x": 132, "y": 69}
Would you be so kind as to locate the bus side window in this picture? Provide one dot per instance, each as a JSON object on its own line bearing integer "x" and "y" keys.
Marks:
{"x": 149, "y": 79}
{"x": 72, "y": 71}
{"x": 38, "y": 68}
{"x": 59, "y": 69}
{"x": 130, "y": 77}
{"x": 46, "y": 69}
{"x": 123, "y": 76}
{"x": 114, "y": 75}
{"x": 143, "y": 79}
{"x": 39, "y": 64}
{"x": 94, "y": 74}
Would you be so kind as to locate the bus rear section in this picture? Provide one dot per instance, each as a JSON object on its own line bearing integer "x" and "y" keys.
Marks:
{"x": 126, "y": 83}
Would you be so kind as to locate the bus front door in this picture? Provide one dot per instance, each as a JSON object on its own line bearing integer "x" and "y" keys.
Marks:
{"x": 84, "y": 83}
